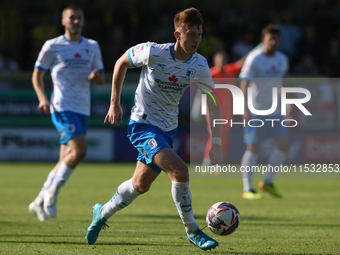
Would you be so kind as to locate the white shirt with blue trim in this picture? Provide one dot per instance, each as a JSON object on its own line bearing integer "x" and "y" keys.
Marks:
{"x": 70, "y": 64}
{"x": 264, "y": 72}
{"x": 162, "y": 82}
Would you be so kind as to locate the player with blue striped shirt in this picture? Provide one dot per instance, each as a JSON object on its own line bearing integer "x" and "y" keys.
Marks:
{"x": 74, "y": 62}
{"x": 263, "y": 70}
{"x": 165, "y": 75}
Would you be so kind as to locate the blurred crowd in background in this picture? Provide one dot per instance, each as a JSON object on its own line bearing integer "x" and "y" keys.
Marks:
{"x": 310, "y": 30}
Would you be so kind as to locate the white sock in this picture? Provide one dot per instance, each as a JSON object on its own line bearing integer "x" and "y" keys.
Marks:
{"x": 276, "y": 158}
{"x": 182, "y": 198}
{"x": 124, "y": 196}
{"x": 63, "y": 174}
{"x": 248, "y": 159}
{"x": 39, "y": 200}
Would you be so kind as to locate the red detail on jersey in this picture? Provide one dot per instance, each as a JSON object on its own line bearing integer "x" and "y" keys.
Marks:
{"x": 139, "y": 48}
{"x": 77, "y": 55}
{"x": 173, "y": 78}
{"x": 273, "y": 67}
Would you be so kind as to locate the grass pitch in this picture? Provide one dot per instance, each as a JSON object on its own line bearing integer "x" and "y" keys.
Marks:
{"x": 305, "y": 221}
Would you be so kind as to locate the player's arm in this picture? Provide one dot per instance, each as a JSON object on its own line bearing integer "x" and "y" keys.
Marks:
{"x": 215, "y": 113}
{"x": 97, "y": 76}
{"x": 115, "y": 113}
{"x": 244, "y": 84}
{"x": 39, "y": 87}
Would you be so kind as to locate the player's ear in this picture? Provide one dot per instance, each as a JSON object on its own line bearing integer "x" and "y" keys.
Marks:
{"x": 177, "y": 35}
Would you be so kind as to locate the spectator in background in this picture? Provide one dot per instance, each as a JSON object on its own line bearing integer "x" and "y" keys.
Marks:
{"x": 310, "y": 44}
{"x": 242, "y": 46}
{"x": 331, "y": 63}
{"x": 306, "y": 66}
{"x": 74, "y": 62}
{"x": 290, "y": 34}
{"x": 7, "y": 63}
{"x": 7, "y": 66}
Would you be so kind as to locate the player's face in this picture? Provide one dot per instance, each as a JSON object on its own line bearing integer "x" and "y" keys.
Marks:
{"x": 73, "y": 21}
{"x": 271, "y": 42}
{"x": 190, "y": 38}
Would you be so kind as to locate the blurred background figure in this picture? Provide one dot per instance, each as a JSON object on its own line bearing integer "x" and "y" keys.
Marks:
{"x": 306, "y": 66}
{"x": 222, "y": 72}
{"x": 7, "y": 63}
{"x": 272, "y": 65}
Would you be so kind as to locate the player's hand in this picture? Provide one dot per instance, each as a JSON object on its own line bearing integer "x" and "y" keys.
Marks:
{"x": 97, "y": 77}
{"x": 114, "y": 115}
{"x": 215, "y": 154}
{"x": 93, "y": 74}
{"x": 44, "y": 107}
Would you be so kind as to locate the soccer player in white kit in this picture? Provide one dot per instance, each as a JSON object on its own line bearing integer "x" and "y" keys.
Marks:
{"x": 165, "y": 75}
{"x": 264, "y": 68}
{"x": 74, "y": 62}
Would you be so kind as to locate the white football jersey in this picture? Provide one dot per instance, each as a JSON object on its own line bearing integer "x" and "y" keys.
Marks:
{"x": 162, "y": 82}
{"x": 70, "y": 64}
{"x": 264, "y": 73}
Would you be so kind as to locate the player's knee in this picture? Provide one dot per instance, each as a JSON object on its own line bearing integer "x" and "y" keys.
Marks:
{"x": 181, "y": 174}
{"x": 80, "y": 153}
{"x": 142, "y": 187}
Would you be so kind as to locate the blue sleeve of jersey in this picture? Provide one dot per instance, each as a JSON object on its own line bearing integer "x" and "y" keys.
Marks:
{"x": 129, "y": 55}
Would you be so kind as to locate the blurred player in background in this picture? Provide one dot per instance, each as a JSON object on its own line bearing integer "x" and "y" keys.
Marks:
{"x": 223, "y": 69}
{"x": 272, "y": 66}
{"x": 166, "y": 72}
{"x": 74, "y": 62}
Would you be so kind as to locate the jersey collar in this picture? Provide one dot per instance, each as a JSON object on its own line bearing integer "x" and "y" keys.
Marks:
{"x": 81, "y": 38}
{"x": 173, "y": 56}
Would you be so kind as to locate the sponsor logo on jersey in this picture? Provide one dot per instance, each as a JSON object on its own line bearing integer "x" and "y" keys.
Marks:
{"x": 77, "y": 55}
{"x": 173, "y": 78}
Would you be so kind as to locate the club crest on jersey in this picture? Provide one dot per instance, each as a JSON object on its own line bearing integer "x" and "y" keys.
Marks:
{"x": 152, "y": 143}
{"x": 190, "y": 73}
{"x": 71, "y": 128}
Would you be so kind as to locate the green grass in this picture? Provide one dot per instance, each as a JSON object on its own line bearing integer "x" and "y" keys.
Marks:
{"x": 305, "y": 221}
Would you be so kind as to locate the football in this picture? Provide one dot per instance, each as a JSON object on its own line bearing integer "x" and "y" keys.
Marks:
{"x": 223, "y": 218}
